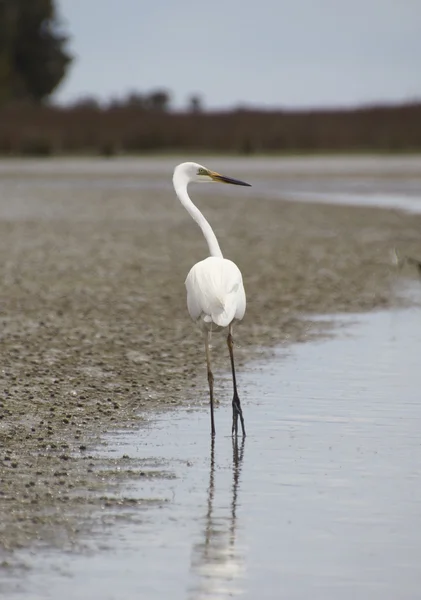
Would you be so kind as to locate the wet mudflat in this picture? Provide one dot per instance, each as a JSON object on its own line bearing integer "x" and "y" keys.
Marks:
{"x": 95, "y": 335}
{"x": 320, "y": 500}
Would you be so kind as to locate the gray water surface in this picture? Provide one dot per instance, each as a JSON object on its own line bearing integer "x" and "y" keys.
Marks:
{"x": 376, "y": 181}
{"x": 322, "y": 500}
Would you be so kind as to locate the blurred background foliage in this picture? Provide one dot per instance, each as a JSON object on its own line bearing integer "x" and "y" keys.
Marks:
{"x": 33, "y": 56}
{"x": 34, "y": 60}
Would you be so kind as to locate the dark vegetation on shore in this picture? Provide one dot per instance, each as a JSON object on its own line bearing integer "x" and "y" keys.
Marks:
{"x": 89, "y": 128}
{"x": 35, "y": 60}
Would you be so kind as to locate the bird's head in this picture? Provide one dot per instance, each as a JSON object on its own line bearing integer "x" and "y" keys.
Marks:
{"x": 193, "y": 172}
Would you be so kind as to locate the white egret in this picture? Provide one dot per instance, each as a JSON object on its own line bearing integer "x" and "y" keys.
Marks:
{"x": 215, "y": 291}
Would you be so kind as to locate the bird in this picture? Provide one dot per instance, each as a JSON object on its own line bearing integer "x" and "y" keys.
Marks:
{"x": 215, "y": 290}
{"x": 400, "y": 260}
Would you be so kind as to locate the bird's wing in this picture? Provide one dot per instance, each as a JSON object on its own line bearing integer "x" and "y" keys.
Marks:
{"x": 215, "y": 291}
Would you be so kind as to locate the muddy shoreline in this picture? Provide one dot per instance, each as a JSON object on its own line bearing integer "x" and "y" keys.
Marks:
{"x": 95, "y": 333}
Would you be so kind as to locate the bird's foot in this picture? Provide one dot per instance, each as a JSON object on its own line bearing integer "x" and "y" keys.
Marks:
{"x": 237, "y": 412}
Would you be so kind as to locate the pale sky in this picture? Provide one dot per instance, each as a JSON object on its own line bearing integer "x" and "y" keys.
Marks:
{"x": 273, "y": 53}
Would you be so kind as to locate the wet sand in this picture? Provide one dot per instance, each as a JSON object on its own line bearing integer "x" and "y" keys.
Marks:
{"x": 95, "y": 331}
{"x": 319, "y": 501}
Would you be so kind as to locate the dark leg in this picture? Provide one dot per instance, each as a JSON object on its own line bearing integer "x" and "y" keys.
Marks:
{"x": 210, "y": 381}
{"x": 236, "y": 405}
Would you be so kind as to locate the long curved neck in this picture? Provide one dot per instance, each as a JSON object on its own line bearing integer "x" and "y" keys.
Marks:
{"x": 181, "y": 191}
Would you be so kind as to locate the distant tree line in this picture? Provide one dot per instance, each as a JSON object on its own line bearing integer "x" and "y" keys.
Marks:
{"x": 158, "y": 100}
{"x": 34, "y": 60}
{"x": 134, "y": 127}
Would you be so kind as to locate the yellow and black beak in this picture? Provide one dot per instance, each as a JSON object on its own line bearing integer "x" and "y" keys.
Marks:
{"x": 222, "y": 179}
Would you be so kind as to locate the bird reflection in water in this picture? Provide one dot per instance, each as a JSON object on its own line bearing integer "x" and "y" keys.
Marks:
{"x": 218, "y": 563}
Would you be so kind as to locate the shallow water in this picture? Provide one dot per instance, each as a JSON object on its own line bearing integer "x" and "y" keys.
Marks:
{"x": 376, "y": 181}
{"x": 321, "y": 500}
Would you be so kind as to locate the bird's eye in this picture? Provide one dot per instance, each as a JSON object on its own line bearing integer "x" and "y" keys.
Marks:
{"x": 201, "y": 172}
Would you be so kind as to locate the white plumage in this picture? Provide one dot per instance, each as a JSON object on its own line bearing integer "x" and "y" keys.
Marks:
{"x": 215, "y": 290}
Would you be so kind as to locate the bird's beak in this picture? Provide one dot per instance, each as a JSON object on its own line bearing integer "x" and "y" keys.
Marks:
{"x": 222, "y": 179}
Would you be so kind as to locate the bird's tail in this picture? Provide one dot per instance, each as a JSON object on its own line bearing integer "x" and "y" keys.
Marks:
{"x": 224, "y": 310}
